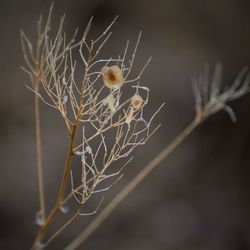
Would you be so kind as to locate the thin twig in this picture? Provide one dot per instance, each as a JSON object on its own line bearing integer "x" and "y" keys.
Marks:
{"x": 39, "y": 159}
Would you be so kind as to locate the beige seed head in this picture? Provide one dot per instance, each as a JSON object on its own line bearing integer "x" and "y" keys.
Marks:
{"x": 112, "y": 77}
{"x": 136, "y": 102}
{"x": 129, "y": 116}
{"x": 111, "y": 103}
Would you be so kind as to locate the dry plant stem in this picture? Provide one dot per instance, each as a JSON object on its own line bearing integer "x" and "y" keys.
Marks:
{"x": 60, "y": 198}
{"x": 52, "y": 215}
{"x": 131, "y": 186}
{"x": 39, "y": 157}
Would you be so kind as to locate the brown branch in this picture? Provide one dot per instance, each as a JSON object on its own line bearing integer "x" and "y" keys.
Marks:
{"x": 52, "y": 215}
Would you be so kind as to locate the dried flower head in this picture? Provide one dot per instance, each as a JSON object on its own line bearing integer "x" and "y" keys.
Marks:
{"x": 136, "y": 102}
{"x": 112, "y": 77}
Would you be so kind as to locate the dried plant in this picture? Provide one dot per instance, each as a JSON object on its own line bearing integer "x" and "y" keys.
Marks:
{"x": 210, "y": 97}
{"x": 102, "y": 107}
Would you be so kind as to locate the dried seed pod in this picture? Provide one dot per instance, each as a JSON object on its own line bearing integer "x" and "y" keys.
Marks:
{"x": 136, "y": 102}
{"x": 129, "y": 116}
{"x": 111, "y": 103}
{"x": 112, "y": 77}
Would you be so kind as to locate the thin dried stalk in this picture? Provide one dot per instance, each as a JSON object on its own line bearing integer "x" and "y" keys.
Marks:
{"x": 34, "y": 70}
{"x": 39, "y": 159}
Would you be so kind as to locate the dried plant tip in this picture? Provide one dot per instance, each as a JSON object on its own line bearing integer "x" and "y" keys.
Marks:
{"x": 136, "y": 102}
{"x": 211, "y": 97}
{"x": 112, "y": 77}
{"x": 110, "y": 100}
{"x": 129, "y": 116}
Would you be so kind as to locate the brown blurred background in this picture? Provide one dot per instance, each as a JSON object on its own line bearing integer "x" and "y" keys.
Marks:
{"x": 199, "y": 198}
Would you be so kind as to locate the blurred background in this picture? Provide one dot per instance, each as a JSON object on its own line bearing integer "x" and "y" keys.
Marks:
{"x": 198, "y": 198}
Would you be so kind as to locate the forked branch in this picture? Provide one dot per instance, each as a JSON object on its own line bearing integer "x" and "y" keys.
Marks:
{"x": 96, "y": 104}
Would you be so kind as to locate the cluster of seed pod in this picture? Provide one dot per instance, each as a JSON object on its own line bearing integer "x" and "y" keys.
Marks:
{"x": 113, "y": 79}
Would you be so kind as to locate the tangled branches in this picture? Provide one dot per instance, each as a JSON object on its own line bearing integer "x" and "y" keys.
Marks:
{"x": 101, "y": 105}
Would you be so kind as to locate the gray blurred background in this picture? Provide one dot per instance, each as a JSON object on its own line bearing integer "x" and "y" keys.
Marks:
{"x": 196, "y": 199}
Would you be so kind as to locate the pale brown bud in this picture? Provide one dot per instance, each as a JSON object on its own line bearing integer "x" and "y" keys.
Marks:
{"x": 129, "y": 116}
{"x": 136, "y": 102}
{"x": 112, "y": 77}
{"x": 111, "y": 103}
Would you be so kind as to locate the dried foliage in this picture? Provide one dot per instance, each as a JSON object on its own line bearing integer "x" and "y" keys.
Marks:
{"x": 101, "y": 105}
{"x": 211, "y": 96}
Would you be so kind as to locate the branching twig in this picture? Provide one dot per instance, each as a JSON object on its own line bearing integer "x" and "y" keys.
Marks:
{"x": 96, "y": 102}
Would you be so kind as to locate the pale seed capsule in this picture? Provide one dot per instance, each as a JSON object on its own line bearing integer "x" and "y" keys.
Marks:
{"x": 129, "y": 116}
{"x": 136, "y": 102}
{"x": 111, "y": 103}
{"x": 112, "y": 77}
